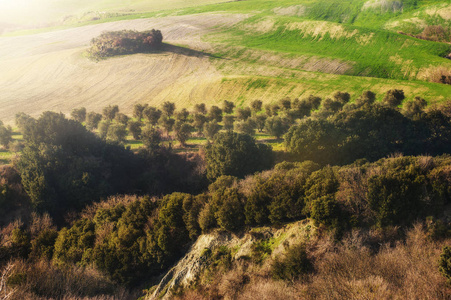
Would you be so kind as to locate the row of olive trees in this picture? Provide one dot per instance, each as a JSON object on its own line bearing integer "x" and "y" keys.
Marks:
{"x": 152, "y": 124}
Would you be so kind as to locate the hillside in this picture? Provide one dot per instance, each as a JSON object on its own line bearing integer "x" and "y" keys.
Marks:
{"x": 229, "y": 51}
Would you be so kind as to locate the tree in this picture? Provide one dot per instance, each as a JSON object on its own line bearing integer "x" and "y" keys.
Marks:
{"x": 228, "y": 106}
{"x": 23, "y": 121}
{"x": 260, "y": 121}
{"x": 122, "y": 118}
{"x": 229, "y": 209}
{"x": 236, "y": 154}
{"x": 92, "y": 120}
{"x": 62, "y": 165}
{"x": 314, "y": 140}
{"x": 394, "y": 98}
{"x": 182, "y": 131}
{"x": 330, "y": 105}
{"x": 117, "y": 133}
{"x": 367, "y": 98}
{"x": 135, "y": 129}
{"x": 79, "y": 114}
{"x": 151, "y": 137}
{"x": 215, "y": 113}
{"x": 168, "y": 108}
{"x": 110, "y": 111}
{"x": 200, "y": 109}
{"x": 415, "y": 107}
{"x": 243, "y": 114}
{"x": 314, "y": 101}
{"x": 182, "y": 115}
{"x": 285, "y": 103}
{"x": 103, "y": 128}
{"x": 5, "y": 135}
{"x": 276, "y": 126}
{"x": 246, "y": 127}
{"x": 342, "y": 97}
{"x": 303, "y": 108}
{"x": 210, "y": 129}
{"x": 167, "y": 123}
{"x": 199, "y": 121}
{"x": 138, "y": 110}
{"x": 152, "y": 114}
{"x": 256, "y": 106}
{"x": 228, "y": 122}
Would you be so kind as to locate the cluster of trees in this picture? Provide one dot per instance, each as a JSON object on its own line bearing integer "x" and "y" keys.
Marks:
{"x": 64, "y": 166}
{"x": 332, "y": 130}
{"x": 134, "y": 238}
{"x": 340, "y": 134}
{"x": 125, "y": 42}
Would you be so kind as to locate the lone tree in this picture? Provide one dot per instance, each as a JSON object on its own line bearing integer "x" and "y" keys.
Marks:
{"x": 237, "y": 155}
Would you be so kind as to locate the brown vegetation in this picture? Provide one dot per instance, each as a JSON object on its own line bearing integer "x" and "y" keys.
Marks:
{"x": 435, "y": 33}
{"x": 406, "y": 268}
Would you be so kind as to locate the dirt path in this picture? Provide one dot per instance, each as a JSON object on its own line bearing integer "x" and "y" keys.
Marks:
{"x": 48, "y": 71}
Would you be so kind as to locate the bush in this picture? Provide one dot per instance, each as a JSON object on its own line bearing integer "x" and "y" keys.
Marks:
{"x": 294, "y": 264}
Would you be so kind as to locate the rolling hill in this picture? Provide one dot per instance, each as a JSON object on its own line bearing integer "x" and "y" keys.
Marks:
{"x": 238, "y": 50}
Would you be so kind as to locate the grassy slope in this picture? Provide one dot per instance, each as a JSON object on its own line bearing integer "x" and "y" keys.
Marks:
{"x": 314, "y": 47}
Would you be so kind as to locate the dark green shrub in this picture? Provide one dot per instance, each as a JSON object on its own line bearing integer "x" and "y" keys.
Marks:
{"x": 445, "y": 263}
{"x": 43, "y": 245}
{"x": 294, "y": 264}
{"x": 229, "y": 206}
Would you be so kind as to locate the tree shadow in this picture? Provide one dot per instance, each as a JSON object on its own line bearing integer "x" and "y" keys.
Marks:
{"x": 185, "y": 51}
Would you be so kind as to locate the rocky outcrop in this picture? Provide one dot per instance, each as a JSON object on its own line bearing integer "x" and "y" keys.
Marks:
{"x": 185, "y": 272}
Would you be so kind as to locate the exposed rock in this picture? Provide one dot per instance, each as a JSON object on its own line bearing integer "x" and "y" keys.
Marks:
{"x": 185, "y": 272}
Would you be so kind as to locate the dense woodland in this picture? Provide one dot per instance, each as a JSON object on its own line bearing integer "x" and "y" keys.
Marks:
{"x": 83, "y": 216}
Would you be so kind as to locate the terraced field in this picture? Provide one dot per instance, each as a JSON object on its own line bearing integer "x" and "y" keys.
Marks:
{"x": 239, "y": 51}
